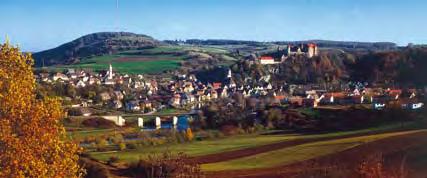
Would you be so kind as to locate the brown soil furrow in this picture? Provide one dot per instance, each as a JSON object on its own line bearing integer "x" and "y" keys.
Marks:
{"x": 346, "y": 160}
{"x": 229, "y": 155}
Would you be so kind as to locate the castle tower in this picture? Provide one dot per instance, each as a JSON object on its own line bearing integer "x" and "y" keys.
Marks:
{"x": 312, "y": 48}
{"x": 316, "y": 51}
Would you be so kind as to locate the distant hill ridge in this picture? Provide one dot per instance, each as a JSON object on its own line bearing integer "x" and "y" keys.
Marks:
{"x": 320, "y": 43}
{"x": 102, "y": 43}
{"x": 94, "y": 44}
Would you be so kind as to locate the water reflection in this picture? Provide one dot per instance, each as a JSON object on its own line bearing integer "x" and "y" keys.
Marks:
{"x": 181, "y": 124}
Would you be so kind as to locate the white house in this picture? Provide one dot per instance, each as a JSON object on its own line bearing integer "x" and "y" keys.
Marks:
{"x": 80, "y": 84}
{"x": 140, "y": 122}
{"x": 61, "y": 76}
{"x": 265, "y": 60}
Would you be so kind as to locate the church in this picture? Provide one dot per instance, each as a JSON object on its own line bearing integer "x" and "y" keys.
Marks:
{"x": 109, "y": 80}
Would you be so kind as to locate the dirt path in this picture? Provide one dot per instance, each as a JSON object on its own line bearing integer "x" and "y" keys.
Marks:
{"x": 345, "y": 160}
{"x": 229, "y": 155}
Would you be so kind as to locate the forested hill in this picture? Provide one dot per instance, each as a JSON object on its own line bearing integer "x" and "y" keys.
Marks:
{"x": 403, "y": 67}
{"x": 93, "y": 45}
{"x": 350, "y": 45}
{"x": 406, "y": 67}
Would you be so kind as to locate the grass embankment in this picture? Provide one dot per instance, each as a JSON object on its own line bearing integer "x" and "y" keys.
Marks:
{"x": 297, "y": 153}
{"x": 198, "y": 148}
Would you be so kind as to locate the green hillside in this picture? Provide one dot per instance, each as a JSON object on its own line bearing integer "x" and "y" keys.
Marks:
{"x": 150, "y": 60}
{"x": 95, "y": 44}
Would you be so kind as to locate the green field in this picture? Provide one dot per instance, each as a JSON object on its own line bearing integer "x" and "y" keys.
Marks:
{"x": 205, "y": 147}
{"x": 196, "y": 148}
{"x": 134, "y": 67}
{"x": 151, "y": 61}
{"x": 297, "y": 153}
{"x": 89, "y": 133}
{"x": 132, "y": 64}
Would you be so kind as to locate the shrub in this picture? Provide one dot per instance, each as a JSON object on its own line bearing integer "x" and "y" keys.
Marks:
{"x": 251, "y": 130}
{"x": 229, "y": 130}
{"x": 210, "y": 134}
{"x": 259, "y": 127}
{"x": 122, "y": 146}
{"x": 166, "y": 165}
{"x": 98, "y": 122}
{"x": 240, "y": 131}
{"x": 132, "y": 146}
{"x": 116, "y": 139}
{"x": 172, "y": 138}
{"x": 374, "y": 167}
{"x": 89, "y": 139}
{"x": 101, "y": 144}
{"x": 219, "y": 135}
{"x": 112, "y": 160}
{"x": 180, "y": 137}
{"x": 189, "y": 135}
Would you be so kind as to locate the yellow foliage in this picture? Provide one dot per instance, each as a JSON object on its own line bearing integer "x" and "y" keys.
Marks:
{"x": 189, "y": 134}
{"x": 32, "y": 140}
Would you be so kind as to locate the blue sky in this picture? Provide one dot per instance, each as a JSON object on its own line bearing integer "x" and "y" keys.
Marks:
{"x": 41, "y": 24}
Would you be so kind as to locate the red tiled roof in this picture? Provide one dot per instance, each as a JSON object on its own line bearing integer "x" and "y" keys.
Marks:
{"x": 335, "y": 94}
{"x": 216, "y": 85}
{"x": 280, "y": 97}
{"x": 311, "y": 45}
{"x": 396, "y": 91}
{"x": 266, "y": 58}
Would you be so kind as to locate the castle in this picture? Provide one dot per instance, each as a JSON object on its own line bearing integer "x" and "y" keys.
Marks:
{"x": 310, "y": 50}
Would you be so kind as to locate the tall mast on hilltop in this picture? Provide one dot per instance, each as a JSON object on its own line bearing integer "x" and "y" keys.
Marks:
{"x": 117, "y": 17}
{"x": 7, "y": 40}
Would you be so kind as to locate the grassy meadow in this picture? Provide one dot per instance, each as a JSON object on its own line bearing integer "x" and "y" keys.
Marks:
{"x": 205, "y": 147}
{"x": 297, "y": 153}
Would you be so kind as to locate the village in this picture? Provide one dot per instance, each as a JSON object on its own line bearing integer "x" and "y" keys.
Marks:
{"x": 116, "y": 117}
{"x": 213, "y": 89}
{"x": 119, "y": 94}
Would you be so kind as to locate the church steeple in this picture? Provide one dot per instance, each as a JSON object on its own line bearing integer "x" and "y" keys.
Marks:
{"x": 110, "y": 72}
{"x": 229, "y": 73}
{"x": 229, "y": 80}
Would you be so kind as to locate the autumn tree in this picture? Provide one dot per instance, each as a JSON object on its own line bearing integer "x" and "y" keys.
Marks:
{"x": 189, "y": 134}
{"x": 32, "y": 140}
{"x": 165, "y": 165}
